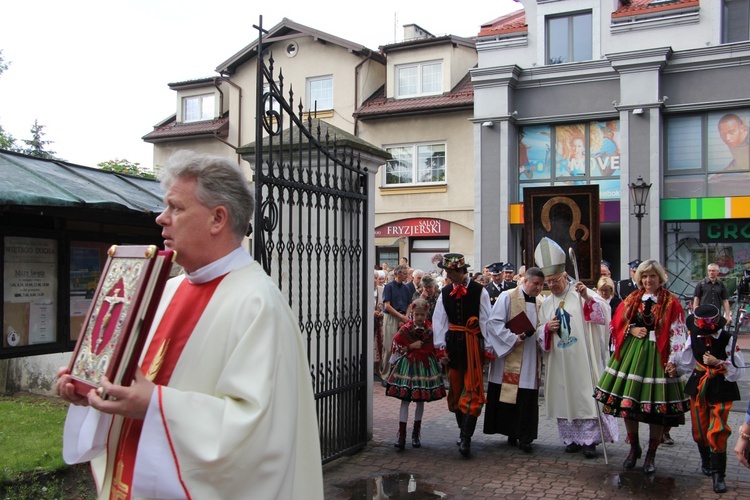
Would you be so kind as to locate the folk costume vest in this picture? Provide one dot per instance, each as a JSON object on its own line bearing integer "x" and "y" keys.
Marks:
{"x": 717, "y": 388}
{"x": 458, "y": 313}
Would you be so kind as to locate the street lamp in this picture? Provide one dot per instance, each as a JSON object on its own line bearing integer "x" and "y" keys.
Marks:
{"x": 639, "y": 193}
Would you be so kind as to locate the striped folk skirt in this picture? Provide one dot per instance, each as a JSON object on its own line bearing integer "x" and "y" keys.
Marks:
{"x": 636, "y": 387}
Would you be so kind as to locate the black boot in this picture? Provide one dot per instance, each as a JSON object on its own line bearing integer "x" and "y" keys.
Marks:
{"x": 718, "y": 471}
{"x": 415, "y": 433}
{"x": 401, "y": 443}
{"x": 649, "y": 463}
{"x": 467, "y": 431}
{"x": 705, "y": 452}
{"x": 635, "y": 452}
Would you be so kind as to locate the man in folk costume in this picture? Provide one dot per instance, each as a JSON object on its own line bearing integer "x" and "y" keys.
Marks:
{"x": 513, "y": 383}
{"x": 573, "y": 329}
{"x": 712, "y": 387}
{"x": 460, "y": 325}
{"x": 222, "y": 405}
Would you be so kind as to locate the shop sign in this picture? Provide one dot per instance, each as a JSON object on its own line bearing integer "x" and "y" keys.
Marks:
{"x": 414, "y": 227}
{"x": 725, "y": 231}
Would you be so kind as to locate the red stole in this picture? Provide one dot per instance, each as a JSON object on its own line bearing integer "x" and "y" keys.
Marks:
{"x": 173, "y": 332}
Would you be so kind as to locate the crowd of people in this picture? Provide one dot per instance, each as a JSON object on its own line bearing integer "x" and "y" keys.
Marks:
{"x": 641, "y": 359}
{"x": 624, "y": 349}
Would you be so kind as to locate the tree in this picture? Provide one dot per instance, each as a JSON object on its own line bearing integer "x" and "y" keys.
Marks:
{"x": 7, "y": 141}
{"x": 125, "y": 167}
{"x": 3, "y": 63}
{"x": 36, "y": 145}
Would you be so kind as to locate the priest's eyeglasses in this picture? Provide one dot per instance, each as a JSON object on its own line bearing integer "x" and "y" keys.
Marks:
{"x": 552, "y": 282}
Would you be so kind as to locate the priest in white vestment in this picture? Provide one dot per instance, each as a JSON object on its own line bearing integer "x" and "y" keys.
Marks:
{"x": 513, "y": 382}
{"x": 574, "y": 332}
{"x": 222, "y": 406}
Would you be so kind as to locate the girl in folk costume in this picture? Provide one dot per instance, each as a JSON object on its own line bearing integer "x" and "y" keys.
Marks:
{"x": 416, "y": 374}
{"x": 640, "y": 383}
{"x": 712, "y": 387}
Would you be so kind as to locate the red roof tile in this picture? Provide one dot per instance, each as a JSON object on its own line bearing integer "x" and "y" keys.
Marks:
{"x": 515, "y": 22}
{"x": 378, "y": 105}
{"x": 636, "y": 7}
{"x": 171, "y": 130}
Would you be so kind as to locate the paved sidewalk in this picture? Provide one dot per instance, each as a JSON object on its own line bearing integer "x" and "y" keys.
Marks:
{"x": 495, "y": 469}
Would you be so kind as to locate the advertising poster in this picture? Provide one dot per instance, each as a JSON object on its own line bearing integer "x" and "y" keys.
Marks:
{"x": 583, "y": 153}
{"x": 728, "y": 154}
{"x": 534, "y": 153}
{"x": 570, "y": 150}
{"x": 604, "y": 143}
{"x": 85, "y": 269}
{"x": 717, "y": 144}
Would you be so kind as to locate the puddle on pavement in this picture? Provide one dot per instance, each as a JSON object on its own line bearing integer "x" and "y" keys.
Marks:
{"x": 394, "y": 486}
{"x": 637, "y": 483}
{"x": 633, "y": 483}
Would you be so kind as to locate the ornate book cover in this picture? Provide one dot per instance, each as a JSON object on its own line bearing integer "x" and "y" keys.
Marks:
{"x": 120, "y": 316}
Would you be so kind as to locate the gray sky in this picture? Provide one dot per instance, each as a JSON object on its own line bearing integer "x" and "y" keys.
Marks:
{"x": 95, "y": 73}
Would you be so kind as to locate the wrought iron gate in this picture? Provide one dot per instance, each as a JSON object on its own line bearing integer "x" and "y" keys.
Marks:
{"x": 310, "y": 228}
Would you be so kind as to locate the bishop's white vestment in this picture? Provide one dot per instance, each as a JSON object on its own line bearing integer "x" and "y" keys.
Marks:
{"x": 573, "y": 354}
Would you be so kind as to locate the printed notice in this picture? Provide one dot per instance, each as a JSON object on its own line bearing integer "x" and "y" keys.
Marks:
{"x": 30, "y": 290}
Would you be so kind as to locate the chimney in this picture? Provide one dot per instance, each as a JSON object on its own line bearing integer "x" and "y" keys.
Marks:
{"x": 414, "y": 32}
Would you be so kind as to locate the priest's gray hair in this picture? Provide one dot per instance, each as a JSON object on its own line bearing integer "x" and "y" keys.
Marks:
{"x": 220, "y": 182}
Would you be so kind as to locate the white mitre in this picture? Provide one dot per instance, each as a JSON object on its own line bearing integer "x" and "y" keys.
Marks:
{"x": 549, "y": 257}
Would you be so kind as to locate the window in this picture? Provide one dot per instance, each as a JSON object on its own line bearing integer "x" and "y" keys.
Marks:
{"x": 735, "y": 22}
{"x": 569, "y": 38}
{"x": 707, "y": 154}
{"x": 577, "y": 153}
{"x": 271, "y": 104}
{"x": 414, "y": 80}
{"x": 415, "y": 164}
{"x": 320, "y": 93}
{"x": 197, "y": 108}
{"x": 423, "y": 252}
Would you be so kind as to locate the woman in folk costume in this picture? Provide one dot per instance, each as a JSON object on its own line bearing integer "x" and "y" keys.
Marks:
{"x": 641, "y": 383}
{"x": 712, "y": 387}
{"x": 416, "y": 374}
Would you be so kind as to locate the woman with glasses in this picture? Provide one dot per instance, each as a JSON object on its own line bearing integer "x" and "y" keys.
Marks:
{"x": 640, "y": 383}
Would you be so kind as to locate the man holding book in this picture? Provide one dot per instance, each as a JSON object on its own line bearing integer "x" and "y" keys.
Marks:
{"x": 513, "y": 382}
{"x": 222, "y": 405}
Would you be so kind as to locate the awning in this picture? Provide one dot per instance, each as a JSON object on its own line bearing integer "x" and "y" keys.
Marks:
{"x": 30, "y": 181}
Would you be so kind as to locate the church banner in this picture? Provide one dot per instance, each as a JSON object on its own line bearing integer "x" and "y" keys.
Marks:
{"x": 569, "y": 215}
